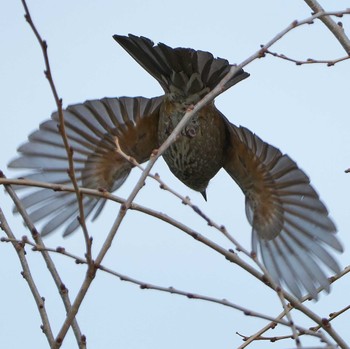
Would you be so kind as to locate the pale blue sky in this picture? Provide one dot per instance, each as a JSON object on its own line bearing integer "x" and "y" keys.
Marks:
{"x": 302, "y": 110}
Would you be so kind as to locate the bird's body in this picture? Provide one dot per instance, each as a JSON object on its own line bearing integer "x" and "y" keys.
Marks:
{"x": 186, "y": 76}
{"x": 197, "y": 154}
{"x": 291, "y": 229}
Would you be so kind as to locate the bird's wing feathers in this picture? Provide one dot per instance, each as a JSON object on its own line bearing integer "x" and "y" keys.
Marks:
{"x": 290, "y": 225}
{"x": 92, "y": 129}
{"x": 184, "y": 71}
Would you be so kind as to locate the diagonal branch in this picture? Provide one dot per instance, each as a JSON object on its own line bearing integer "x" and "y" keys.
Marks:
{"x": 40, "y": 301}
{"x": 272, "y": 325}
{"x": 63, "y": 291}
{"x": 148, "y": 286}
{"x": 327, "y": 62}
{"x": 335, "y": 28}
{"x": 62, "y": 129}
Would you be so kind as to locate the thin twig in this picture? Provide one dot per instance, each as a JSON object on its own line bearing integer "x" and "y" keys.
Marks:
{"x": 91, "y": 271}
{"x": 332, "y": 316}
{"x": 272, "y": 325}
{"x": 328, "y": 62}
{"x": 62, "y": 130}
{"x": 61, "y": 287}
{"x": 103, "y": 194}
{"x": 335, "y": 28}
{"x": 39, "y": 300}
{"x": 229, "y": 255}
{"x": 271, "y": 339}
{"x": 222, "y": 229}
{"x": 148, "y": 286}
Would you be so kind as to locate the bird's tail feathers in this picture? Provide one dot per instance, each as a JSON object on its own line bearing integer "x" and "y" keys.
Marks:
{"x": 183, "y": 71}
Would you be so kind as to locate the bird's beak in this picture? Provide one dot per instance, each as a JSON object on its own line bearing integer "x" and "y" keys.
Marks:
{"x": 204, "y": 194}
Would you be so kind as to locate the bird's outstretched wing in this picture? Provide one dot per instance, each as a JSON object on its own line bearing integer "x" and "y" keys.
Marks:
{"x": 291, "y": 229}
{"x": 182, "y": 71}
{"x": 92, "y": 129}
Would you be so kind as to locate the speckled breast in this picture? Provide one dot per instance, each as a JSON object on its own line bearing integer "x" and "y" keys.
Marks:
{"x": 197, "y": 154}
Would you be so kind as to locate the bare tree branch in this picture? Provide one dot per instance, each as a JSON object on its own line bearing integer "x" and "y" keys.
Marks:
{"x": 148, "y": 286}
{"x": 273, "y": 324}
{"x": 328, "y": 62}
{"x": 61, "y": 287}
{"x": 62, "y": 129}
{"x": 335, "y": 28}
{"x": 229, "y": 255}
{"x": 39, "y": 300}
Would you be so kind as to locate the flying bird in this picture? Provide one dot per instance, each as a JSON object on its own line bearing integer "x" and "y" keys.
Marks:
{"x": 291, "y": 229}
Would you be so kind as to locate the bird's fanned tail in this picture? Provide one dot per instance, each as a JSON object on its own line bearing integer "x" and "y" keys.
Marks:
{"x": 184, "y": 71}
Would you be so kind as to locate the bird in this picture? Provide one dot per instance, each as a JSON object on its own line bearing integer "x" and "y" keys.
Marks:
{"x": 292, "y": 232}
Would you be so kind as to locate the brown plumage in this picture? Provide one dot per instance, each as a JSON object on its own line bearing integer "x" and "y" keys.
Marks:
{"x": 291, "y": 229}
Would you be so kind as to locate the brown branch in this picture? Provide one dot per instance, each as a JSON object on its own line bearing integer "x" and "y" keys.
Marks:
{"x": 229, "y": 255}
{"x": 335, "y": 28}
{"x": 272, "y": 325}
{"x": 103, "y": 194}
{"x": 270, "y": 339}
{"x": 148, "y": 286}
{"x": 91, "y": 271}
{"x": 185, "y": 200}
{"x": 61, "y": 287}
{"x": 222, "y": 229}
{"x": 327, "y": 62}
{"x": 62, "y": 129}
{"x": 191, "y": 295}
{"x": 332, "y": 316}
{"x": 39, "y": 300}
